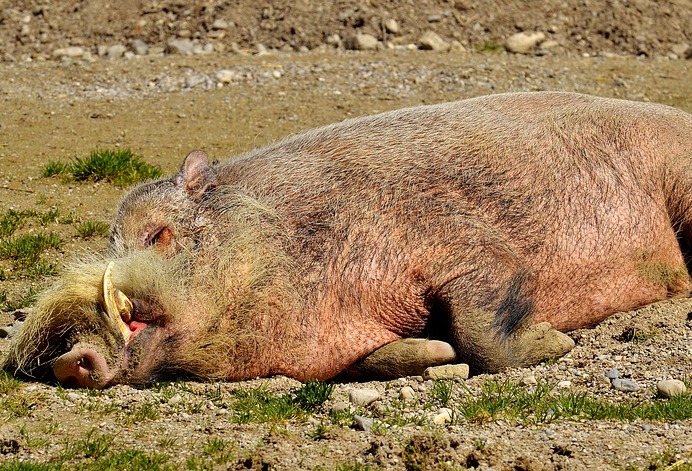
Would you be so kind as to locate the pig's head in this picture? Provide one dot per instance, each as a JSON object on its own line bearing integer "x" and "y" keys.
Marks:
{"x": 88, "y": 333}
{"x": 164, "y": 214}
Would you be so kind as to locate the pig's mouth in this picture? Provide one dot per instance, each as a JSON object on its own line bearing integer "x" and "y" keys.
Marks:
{"x": 84, "y": 365}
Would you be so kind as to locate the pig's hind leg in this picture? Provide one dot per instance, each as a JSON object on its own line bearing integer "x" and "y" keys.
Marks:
{"x": 405, "y": 357}
{"x": 490, "y": 341}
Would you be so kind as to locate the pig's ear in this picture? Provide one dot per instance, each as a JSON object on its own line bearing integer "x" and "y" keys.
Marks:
{"x": 196, "y": 175}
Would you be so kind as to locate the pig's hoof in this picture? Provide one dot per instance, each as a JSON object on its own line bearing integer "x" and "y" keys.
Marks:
{"x": 405, "y": 357}
{"x": 541, "y": 342}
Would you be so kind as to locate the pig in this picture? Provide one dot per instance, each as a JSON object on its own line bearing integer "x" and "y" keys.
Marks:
{"x": 493, "y": 224}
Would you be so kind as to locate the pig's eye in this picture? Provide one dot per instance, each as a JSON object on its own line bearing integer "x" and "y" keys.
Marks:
{"x": 161, "y": 238}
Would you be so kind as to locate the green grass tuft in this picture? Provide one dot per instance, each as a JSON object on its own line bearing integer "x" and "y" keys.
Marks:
{"x": 8, "y": 383}
{"x": 261, "y": 405}
{"x": 122, "y": 167}
{"x": 89, "y": 229}
{"x": 313, "y": 394}
{"x": 54, "y": 168}
{"x": 11, "y": 220}
{"x": 541, "y": 405}
{"x": 28, "y": 299}
{"x": 24, "y": 251}
{"x": 49, "y": 217}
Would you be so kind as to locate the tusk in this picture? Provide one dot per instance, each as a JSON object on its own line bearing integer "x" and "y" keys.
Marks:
{"x": 118, "y": 306}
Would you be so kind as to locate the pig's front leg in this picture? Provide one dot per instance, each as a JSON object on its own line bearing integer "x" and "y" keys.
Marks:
{"x": 405, "y": 357}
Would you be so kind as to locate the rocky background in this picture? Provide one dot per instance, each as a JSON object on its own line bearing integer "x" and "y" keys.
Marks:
{"x": 45, "y": 29}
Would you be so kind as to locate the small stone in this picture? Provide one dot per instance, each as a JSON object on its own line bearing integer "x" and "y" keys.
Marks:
{"x": 116, "y": 51}
{"x": 340, "y": 406}
{"x": 431, "y": 41}
{"x": 549, "y": 44}
{"x": 180, "y": 46}
{"x": 276, "y": 74}
{"x": 193, "y": 81}
{"x": 564, "y": 384}
{"x": 362, "y": 42}
{"x": 220, "y": 24}
{"x": 529, "y": 380}
{"x": 626, "y": 385}
{"x": 362, "y": 423}
{"x": 139, "y": 47}
{"x": 363, "y": 397}
{"x": 671, "y": 387}
{"x": 72, "y": 51}
{"x": 407, "y": 394}
{"x": 333, "y": 40}
{"x": 261, "y": 49}
{"x": 460, "y": 370}
{"x": 176, "y": 399}
{"x": 523, "y": 43}
{"x": 72, "y": 396}
{"x": 456, "y": 46}
{"x": 443, "y": 416}
{"x": 225, "y": 76}
{"x": 391, "y": 26}
{"x": 613, "y": 373}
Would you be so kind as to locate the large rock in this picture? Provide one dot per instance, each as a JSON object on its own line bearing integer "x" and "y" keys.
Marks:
{"x": 431, "y": 41}
{"x": 362, "y": 42}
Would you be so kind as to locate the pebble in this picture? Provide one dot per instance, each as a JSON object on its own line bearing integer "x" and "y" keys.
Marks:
{"x": 671, "y": 387}
{"x": 180, "y": 46}
{"x": 566, "y": 384}
{"x": 72, "y": 396}
{"x": 362, "y": 42}
{"x": 362, "y": 423}
{"x": 139, "y": 47}
{"x": 363, "y": 397}
{"x": 220, "y": 24}
{"x": 193, "y": 81}
{"x": 225, "y": 76}
{"x": 626, "y": 385}
{"x": 460, "y": 370}
{"x": 529, "y": 380}
{"x": 407, "y": 394}
{"x": 116, "y": 51}
{"x": 72, "y": 51}
{"x": 613, "y": 374}
{"x": 340, "y": 406}
{"x": 431, "y": 41}
{"x": 176, "y": 399}
{"x": 443, "y": 416}
{"x": 391, "y": 26}
{"x": 523, "y": 43}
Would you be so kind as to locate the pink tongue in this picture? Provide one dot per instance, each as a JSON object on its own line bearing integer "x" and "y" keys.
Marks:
{"x": 136, "y": 326}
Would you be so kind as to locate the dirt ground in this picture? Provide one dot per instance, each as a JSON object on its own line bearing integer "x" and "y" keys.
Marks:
{"x": 162, "y": 106}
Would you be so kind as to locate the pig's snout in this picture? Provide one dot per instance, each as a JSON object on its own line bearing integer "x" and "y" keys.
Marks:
{"x": 82, "y": 368}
